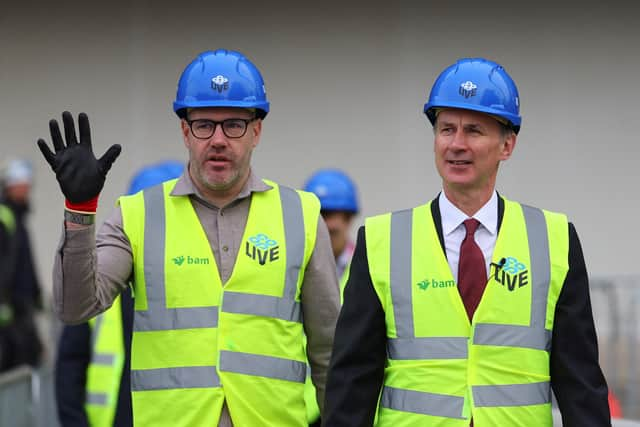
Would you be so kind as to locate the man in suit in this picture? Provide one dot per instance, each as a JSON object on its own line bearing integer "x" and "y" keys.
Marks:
{"x": 469, "y": 309}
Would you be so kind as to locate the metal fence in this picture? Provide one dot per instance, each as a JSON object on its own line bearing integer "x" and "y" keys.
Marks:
{"x": 16, "y": 400}
{"x": 557, "y": 421}
{"x": 27, "y": 398}
{"x": 616, "y": 310}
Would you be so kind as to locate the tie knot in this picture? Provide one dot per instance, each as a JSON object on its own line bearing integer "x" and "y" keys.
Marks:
{"x": 471, "y": 225}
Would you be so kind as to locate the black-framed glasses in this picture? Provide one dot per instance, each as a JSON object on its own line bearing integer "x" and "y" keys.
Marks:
{"x": 232, "y": 128}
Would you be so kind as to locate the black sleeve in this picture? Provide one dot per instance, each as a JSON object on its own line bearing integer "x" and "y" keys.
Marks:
{"x": 6, "y": 266}
{"x": 576, "y": 377}
{"x": 124, "y": 416}
{"x": 74, "y": 356}
{"x": 357, "y": 363}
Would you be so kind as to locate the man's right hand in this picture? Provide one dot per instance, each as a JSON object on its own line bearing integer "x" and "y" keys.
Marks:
{"x": 81, "y": 176}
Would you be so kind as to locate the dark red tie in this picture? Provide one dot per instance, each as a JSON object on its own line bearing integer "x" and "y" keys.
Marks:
{"x": 472, "y": 272}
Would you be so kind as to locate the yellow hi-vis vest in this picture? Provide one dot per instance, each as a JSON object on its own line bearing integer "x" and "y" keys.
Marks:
{"x": 7, "y": 219}
{"x": 310, "y": 398}
{"x": 442, "y": 370}
{"x": 313, "y": 410}
{"x": 197, "y": 344}
{"x": 105, "y": 370}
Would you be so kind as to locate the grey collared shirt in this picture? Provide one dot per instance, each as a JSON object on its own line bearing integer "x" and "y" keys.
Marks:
{"x": 89, "y": 272}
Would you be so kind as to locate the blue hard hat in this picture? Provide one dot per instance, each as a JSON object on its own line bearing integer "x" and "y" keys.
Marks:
{"x": 476, "y": 84}
{"x": 335, "y": 190}
{"x": 155, "y": 174}
{"x": 223, "y": 78}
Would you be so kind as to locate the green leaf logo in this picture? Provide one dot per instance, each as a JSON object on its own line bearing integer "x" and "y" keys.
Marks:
{"x": 423, "y": 285}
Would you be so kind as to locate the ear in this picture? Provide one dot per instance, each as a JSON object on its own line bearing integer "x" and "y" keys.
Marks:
{"x": 257, "y": 132}
{"x": 508, "y": 146}
{"x": 185, "y": 130}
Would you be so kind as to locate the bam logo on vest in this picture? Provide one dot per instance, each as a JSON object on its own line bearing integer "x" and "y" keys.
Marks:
{"x": 262, "y": 249}
{"x": 435, "y": 283}
{"x": 179, "y": 260}
{"x": 510, "y": 273}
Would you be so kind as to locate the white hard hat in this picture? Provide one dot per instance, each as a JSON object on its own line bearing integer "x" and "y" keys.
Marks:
{"x": 17, "y": 171}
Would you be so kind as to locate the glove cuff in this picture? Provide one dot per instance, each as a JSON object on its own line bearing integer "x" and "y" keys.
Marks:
{"x": 88, "y": 207}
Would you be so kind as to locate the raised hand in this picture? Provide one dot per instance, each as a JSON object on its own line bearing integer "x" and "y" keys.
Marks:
{"x": 81, "y": 176}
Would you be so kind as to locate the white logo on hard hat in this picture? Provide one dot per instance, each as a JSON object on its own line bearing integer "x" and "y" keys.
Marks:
{"x": 220, "y": 80}
{"x": 220, "y": 83}
{"x": 468, "y": 89}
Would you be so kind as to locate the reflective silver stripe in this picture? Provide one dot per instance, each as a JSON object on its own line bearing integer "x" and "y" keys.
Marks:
{"x": 176, "y": 318}
{"x": 103, "y": 359}
{"x": 262, "y": 305}
{"x": 512, "y": 336}
{"x": 400, "y": 280}
{"x": 154, "y": 247}
{"x": 158, "y": 317}
{"x": 540, "y": 264}
{"x": 427, "y": 348}
{"x": 511, "y": 394}
{"x": 439, "y": 405}
{"x": 172, "y": 378}
{"x": 294, "y": 237}
{"x": 107, "y": 359}
{"x": 285, "y": 307}
{"x": 407, "y": 346}
{"x": 97, "y": 326}
{"x": 97, "y": 399}
{"x": 535, "y": 335}
{"x": 262, "y": 366}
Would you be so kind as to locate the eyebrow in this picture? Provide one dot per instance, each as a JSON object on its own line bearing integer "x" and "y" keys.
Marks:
{"x": 465, "y": 125}
{"x": 473, "y": 126}
{"x": 441, "y": 123}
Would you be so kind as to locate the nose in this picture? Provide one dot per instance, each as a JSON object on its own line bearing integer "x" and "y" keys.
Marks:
{"x": 458, "y": 140}
{"x": 218, "y": 137}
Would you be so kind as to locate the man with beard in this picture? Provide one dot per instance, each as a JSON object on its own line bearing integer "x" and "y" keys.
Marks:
{"x": 229, "y": 271}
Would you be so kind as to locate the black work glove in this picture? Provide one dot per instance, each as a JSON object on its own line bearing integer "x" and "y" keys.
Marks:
{"x": 80, "y": 175}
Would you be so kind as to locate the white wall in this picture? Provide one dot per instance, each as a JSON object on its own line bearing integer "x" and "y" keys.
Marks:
{"x": 347, "y": 81}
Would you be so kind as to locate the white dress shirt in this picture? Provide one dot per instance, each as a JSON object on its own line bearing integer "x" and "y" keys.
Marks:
{"x": 454, "y": 231}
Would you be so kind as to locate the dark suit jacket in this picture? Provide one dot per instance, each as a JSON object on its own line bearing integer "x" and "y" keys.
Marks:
{"x": 359, "y": 352}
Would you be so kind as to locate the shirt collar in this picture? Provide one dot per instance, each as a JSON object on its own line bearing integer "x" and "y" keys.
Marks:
{"x": 185, "y": 186}
{"x": 452, "y": 217}
{"x": 345, "y": 257}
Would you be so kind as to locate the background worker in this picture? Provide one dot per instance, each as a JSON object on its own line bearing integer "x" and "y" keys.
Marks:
{"x": 229, "y": 271}
{"x": 467, "y": 310}
{"x": 338, "y": 205}
{"x": 20, "y": 295}
{"x": 92, "y": 379}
